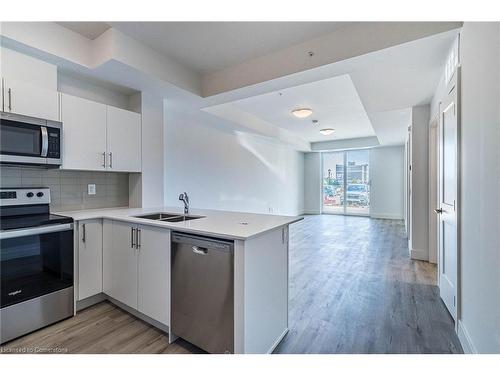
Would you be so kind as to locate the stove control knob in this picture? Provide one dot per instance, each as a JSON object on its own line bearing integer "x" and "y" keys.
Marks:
{"x": 39, "y": 194}
{"x": 30, "y": 194}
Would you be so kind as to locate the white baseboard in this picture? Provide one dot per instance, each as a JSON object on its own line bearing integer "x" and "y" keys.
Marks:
{"x": 465, "y": 340}
{"x": 386, "y": 216}
{"x": 419, "y": 254}
{"x": 310, "y": 212}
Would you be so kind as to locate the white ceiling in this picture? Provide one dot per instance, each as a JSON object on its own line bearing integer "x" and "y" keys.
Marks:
{"x": 385, "y": 83}
{"x": 335, "y": 102}
{"x": 90, "y": 30}
{"x": 207, "y": 47}
{"x": 369, "y": 95}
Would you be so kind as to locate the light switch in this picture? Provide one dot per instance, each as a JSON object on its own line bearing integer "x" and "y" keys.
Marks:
{"x": 91, "y": 189}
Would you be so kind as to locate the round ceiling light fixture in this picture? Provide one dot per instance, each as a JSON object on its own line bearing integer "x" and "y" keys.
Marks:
{"x": 327, "y": 131}
{"x": 302, "y": 112}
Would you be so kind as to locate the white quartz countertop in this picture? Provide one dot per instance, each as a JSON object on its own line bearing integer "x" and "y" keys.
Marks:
{"x": 224, "y": 224}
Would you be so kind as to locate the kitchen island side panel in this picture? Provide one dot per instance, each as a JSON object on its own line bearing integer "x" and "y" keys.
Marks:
{"x": 265, "y": 286}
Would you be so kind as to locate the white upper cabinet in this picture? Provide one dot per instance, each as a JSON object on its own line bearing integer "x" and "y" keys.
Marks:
{"x": 84, "y": 133}
{"x": 29, "y": 86}
{"x": 29, "y": 100}
{"x": 124, "y": 140}
{"x": 99, "y": 137}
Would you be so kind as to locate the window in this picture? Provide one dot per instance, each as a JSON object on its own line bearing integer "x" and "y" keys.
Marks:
{"x": 346, "y": 182}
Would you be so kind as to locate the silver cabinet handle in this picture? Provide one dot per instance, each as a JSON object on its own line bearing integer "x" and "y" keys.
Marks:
{"x": 84, "y": 233}
{"x": 132, "y": 237}
{"x": 200, "y": 250}
{"x": 138, "y": 244}
{"x": 111, "y": 160}
{"x": 9, "y": 92}
{"x": 104, "y": 160}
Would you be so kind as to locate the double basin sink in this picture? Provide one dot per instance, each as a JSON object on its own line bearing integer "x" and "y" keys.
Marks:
{"x": 169, "y": 217}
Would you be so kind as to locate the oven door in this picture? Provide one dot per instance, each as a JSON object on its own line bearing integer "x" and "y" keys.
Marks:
{"x": 35, "y": 261}
{"x": 23, "y": 139}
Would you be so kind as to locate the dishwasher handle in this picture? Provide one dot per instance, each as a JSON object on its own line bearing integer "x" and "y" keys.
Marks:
{"x": 200, "y": 244}
{"x": 200, "y": 250}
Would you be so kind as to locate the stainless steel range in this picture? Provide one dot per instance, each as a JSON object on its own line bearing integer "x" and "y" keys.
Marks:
{"x": 36, "y": 262}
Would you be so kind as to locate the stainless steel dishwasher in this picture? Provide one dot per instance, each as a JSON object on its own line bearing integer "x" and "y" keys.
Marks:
{"x": 202, "y": 305}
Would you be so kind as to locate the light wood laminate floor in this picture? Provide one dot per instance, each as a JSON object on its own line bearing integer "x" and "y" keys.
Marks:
{"x": 353, "y": 289}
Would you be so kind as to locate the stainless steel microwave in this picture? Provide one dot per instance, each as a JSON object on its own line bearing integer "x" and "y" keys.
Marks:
{"x": 30, "y": 140}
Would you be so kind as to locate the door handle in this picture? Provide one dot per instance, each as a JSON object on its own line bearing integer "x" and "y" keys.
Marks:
{"x": 200, "y": 250}
{"x": 138, "y": 239}
{"x": 438, "y": 210}
{"x": 111, "y": 160}
{"x": 84, "y": 234}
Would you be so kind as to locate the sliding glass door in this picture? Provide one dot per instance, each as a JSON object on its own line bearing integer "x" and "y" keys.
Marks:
{"x": 346, "y": 182}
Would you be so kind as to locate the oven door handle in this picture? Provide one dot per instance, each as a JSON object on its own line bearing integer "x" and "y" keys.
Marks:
{"x": 45, "y": 141}
{"x": 14, "y": 233}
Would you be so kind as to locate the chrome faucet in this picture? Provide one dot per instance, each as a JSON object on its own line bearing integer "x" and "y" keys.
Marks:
{"x": 184, "y": 197}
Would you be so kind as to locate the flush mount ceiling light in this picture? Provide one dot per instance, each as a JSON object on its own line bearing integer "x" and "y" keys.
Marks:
{"x": 302, "y": 112}
{"x": 327, "y": 131}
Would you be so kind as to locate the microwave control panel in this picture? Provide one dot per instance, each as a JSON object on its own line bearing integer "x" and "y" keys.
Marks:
{"x": 54, "y": 150}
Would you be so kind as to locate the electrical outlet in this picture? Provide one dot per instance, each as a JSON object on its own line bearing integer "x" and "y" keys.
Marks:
{"x": 91, "y": 189}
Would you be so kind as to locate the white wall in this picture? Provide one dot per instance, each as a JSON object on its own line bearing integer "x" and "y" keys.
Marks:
{"x": 387, "y": 182}
{"x": 480, "y": 186}
{"x": 221, "y": 167}
{"x": 419, "y": 239}
{"x": 312, "y": 183}
{"x": 83, "y": 88}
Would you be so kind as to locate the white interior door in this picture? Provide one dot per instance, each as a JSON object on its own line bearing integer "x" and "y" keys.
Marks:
{"x": 448, "y": 189}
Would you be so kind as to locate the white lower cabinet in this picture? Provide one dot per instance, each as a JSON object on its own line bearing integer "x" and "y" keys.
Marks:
{"x": 89, "y": 258}
{"x": 136, "y": 267}
{"x": 120, "y": 263}
{"x": 154, "y": 273}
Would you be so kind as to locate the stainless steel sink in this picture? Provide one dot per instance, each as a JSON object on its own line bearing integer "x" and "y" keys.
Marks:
{"x": 169, "y": 217}
{"x": 183, "y": 218}
{"x": 159, "y": 216}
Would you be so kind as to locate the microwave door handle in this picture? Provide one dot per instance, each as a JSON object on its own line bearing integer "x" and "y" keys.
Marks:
{"x": 45, "y": 141}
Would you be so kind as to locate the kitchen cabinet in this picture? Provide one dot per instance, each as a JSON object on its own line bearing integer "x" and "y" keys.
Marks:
{"x": 123, "y": 140}
{"x": 99, "y": 137}
{"x": 154, "y": 273}
{"x": 30, "y": 100}
{"x": 136, "y": 268}
{"x": 84, "y": 133}
{"x": 89, "y": 258}
{"x": 120, "y": 263}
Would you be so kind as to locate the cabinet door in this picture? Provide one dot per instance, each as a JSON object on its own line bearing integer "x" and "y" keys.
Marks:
{"x": 120, "y": 264}
{"x": 29, "y": 100}
{"x": 84, "y": 133}
{"x": 154, "y": 273}
{"x": 124, "y": 140}
{"x": 89, "y": 258}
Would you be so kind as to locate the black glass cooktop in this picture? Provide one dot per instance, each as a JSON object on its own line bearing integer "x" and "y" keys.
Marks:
{"x": 28, "y": 221}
